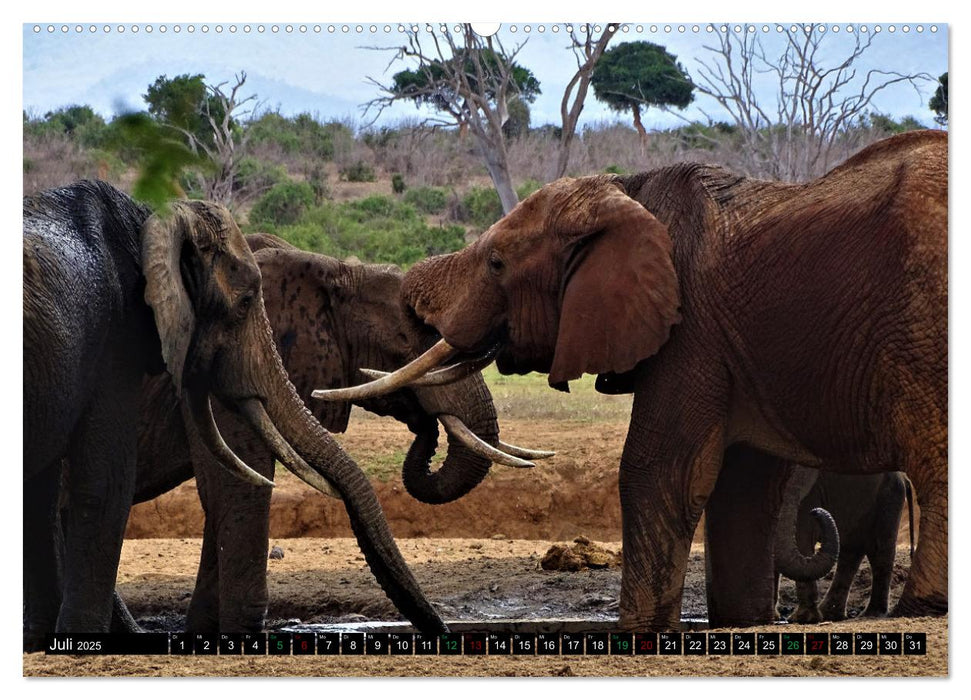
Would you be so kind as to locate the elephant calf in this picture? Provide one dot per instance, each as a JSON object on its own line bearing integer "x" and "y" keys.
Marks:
{"x": 867, "y": 511}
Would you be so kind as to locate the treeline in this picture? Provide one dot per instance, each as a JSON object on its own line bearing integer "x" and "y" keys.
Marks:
{"x": 390, "y": 194}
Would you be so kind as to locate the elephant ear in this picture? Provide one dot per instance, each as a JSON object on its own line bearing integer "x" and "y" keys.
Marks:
{"x": 620, "y": 294}
{"x": 162, "y": 239}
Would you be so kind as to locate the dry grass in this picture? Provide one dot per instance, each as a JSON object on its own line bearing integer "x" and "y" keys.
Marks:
{"x": 445, "y": 158}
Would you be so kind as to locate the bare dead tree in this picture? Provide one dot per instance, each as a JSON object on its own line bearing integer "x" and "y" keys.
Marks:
{"x": 469, "y": 79}
{"x": 817, "y": 102}
{"x": 587, "y": 51}
{"x": 229, "y": 139}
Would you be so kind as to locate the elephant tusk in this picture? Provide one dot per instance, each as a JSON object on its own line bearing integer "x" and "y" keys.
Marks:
{"x": 256, "y": 415}
{"x": 524, "y": 452}
{"x": 201, "y": 409}
{"x": 419, "y": 367}
{"x": 458, "y": 430}
{"x": 446, "y": 375}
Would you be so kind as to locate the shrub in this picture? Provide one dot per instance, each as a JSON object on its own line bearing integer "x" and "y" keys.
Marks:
{"x": 358, "y": 171}
{"x": 254, "y": 175}
{"x": 481, "y": 207}
{"x": 427, "y": 200}
{"x": 382, "y": 138}
{"x": 615, "y": 170}
{"x": 374, "y": 229}
{"x": 397, "y": 183}
{"x": 301, "y": 135}
{"x": 527, "y": 188}
{"x": 317, "y": 179}
{"x": 283, "y": 204}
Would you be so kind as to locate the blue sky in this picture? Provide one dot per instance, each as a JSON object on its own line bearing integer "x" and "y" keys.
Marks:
{"x": 327, "y": 73}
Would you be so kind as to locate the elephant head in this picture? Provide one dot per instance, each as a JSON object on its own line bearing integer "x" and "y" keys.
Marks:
{"x": 205, "y": 288}
{"x": 331, "y": 318}
{"x": 577, "y": 278}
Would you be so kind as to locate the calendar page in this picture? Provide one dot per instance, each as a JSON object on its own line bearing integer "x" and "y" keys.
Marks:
{"x": 446, "y": 349}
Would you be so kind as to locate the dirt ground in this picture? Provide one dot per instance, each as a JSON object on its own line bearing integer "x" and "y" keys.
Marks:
{"x": 476, "y": 559}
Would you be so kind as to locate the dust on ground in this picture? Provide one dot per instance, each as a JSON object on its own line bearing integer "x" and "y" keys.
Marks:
{"x": 479, "y": 558}
{"x": 322, "y": 581}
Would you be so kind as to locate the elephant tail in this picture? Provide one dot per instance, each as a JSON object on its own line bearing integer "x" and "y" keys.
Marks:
{"x": 909, "y": 491}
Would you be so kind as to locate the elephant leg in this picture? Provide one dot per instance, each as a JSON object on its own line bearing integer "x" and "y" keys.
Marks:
{"x": 660, "y": 507}
{"x": 739, "y": 531}
{"x": 244, "y": 536}
{"x": 881, "y": 570}
{"x": 41, "y": 542}
{"x": 882, "y": 545}
{"x": 202, "y": 616}
{"x": 807, "y": 595}
{"x": 231, "y": 592}
{"x": 834, "y": 604}
{"x": 101, "y": 483}
{"x": 925, "y": 592}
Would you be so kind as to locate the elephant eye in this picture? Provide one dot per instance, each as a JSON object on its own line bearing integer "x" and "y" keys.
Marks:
{"x": 245, "y": 302}
{"x": 495, "y": 262}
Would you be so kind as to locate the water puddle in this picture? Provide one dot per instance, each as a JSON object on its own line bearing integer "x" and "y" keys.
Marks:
{"x": 538, "y": 626}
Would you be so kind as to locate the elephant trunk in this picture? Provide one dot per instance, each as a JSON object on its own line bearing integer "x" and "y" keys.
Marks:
{"x": 462, "y": 469}
{"x": 789, "y": 561}
{"x": 315, "y": 447}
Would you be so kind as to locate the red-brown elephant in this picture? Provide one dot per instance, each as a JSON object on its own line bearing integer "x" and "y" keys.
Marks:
{"x": 807, "y": 321}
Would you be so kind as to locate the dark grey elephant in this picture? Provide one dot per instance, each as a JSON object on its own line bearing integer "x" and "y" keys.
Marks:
{"x": 867, "y": 510}
{"x": 328, "y": 319}
{"x": 112, "y": 293}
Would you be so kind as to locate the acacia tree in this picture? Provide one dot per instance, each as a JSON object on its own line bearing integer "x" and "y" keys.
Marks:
{"x": 470, "y": 80}
{"x": 639, "y": 73}
{"x": 820, "y": 94}
{"x": 587, "y": 52}
{"x": 211, "y": 119}
{"x": 938, "y": 102}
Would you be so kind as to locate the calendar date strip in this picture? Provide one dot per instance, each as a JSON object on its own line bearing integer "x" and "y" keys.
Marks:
{"x": 494, "y": 644}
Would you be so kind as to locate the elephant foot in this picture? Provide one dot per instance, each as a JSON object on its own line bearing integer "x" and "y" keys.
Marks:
{"x": 931, "y": 606}
{"x": 833, "y": 614}
{"x": 875, "y": 612}
{"x": 806, "y": 615}
{"x": 34, "y": 641}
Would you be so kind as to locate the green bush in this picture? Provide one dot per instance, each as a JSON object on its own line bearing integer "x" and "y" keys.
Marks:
{"x": 374, "y": 229}
{"x": 317, "y": 179}
{"x": 80, "y": 123}
{"x": 882, "y": 122}
{"x": 382, "y": 138}
{"x": 302, "y": 135}
{"x": 397, "y": 183}
{"x": 358, "y": 172}
{"x": 615, "y": 170}
{"x": 527, "y": 188}
{"x": 255, "y": 174}
{"x": 481, "y": 207}
{"x": 427, "y": 200}
{"x": 705, "y": 136}
{"x": 283, "y": 204}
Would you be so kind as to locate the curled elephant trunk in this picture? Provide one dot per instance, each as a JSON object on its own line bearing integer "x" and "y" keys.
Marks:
{"x": 461, "y": 471}
{"x": 463, "y": 468}
{"x": 467, "y": 412}
{"x": 789, "y": 561}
